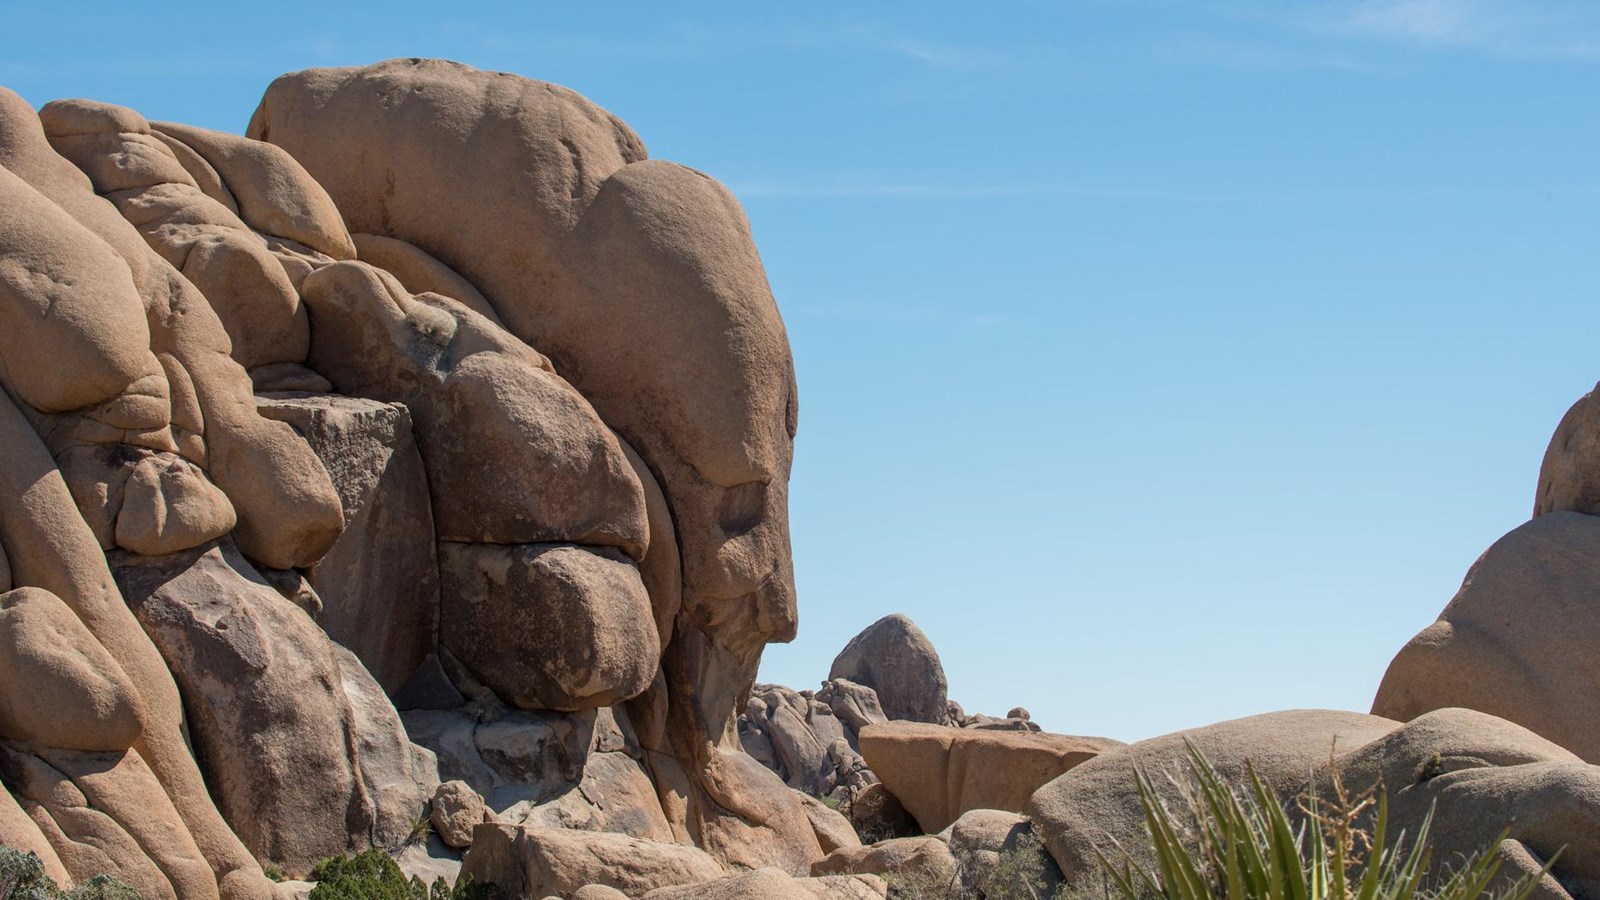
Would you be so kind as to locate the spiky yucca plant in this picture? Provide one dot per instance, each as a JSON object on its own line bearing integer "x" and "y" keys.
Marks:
{"x": 1241, "y": 846}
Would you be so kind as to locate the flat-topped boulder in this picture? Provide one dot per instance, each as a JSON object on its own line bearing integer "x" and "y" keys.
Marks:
{"x": 938, "y": 772}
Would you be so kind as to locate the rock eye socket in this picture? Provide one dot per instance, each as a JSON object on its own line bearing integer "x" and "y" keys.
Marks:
{"x": 742, "y": 507}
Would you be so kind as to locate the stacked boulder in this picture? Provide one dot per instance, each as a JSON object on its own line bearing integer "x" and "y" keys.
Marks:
{"x": 360, "y": 479}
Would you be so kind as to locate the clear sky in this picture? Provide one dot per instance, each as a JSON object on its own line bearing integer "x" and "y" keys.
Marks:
{"x": 1166, "y": 361}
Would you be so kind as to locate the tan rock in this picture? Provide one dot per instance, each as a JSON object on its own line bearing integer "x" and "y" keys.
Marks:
{"x": 598, "y": 892}
{"x": 22, "y": 833}
{"x": 421, "y": 273}
{"x": 87, "y": 840}
{"x": 1478, "y": 774}
{"x": 938, "y": 772}
{"x": 275, "y": 195}
{"x": 49, "y": 546}
{"x": 925, "y": 861}
{"x": 169, "y": 505}
{"x": 641, "y": 281}
{"x": 379, "y": 582}
{"x": 548, "y": 626}
{"x": 66, "y": 305}
{"x": 833, "y": 829}
{"x": 65, "y": 691}
{"x": 894, "y": 658}
{"x": 457, "y": 809}
{"x": 532, "y": 862}
{"x": 302, "y": 752}
{"x": 774, "y": 884}
{"x": 288, "y": 512}
{"x": 514, "y": 454}
{"x": 1507, "y": 643}
{"x": 1095, "y": 806}
{"x": 1569, "y": 477}
{"x": 231, "y": 265}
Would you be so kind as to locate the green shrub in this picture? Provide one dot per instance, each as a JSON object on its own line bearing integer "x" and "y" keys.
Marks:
{"x": 1020, "y": 874}
{"x": 373, "y": 875}
{"x": 22, "y": 877}
{"x": 1227, "y": 845}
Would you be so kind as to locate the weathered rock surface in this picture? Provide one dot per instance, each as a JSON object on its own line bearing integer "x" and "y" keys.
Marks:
{"x": 1480, "y": 775}
{"x": 894, "y": 658}
{"x": 1095, "y": 806}
{"x": 938, "y": 772}
{"x": 978, "y": 839}
{"x": 1513, "y": 642}
{"x": 923, "y": 860}
{"x": 640, "y": 281}
{"x": 548, "y": 626}
{"x": 379, "y": 582}
{"x": 530, "y": 861}
{"x": 774, "y": 884}
{"x": 456, "y": 810}
{"x": 311, "y": 761}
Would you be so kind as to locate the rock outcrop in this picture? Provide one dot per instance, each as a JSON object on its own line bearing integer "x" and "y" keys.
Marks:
{"x": 311, "y": 447}
{"x": 1095, "y": 807}
{"x": 1508, "y": 644}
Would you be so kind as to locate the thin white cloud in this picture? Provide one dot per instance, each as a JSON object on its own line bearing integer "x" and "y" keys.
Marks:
{"x": 1512, "y": 29}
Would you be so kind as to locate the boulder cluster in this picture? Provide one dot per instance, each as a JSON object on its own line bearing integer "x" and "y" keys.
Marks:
{"x": 411, "y": 473}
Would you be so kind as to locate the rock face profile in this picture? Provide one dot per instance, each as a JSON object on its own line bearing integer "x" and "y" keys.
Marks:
{"x": 430, "y": 433}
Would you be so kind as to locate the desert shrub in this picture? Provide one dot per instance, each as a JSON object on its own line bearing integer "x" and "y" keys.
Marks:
{"x": 22, "y": 877}
{"x": 373, "y": 875}
{"x": 1020, "y": 874}
{"x": 102, "y": 887}
{"x": 1224, "y": 844}
{"x": 923, "y": 885}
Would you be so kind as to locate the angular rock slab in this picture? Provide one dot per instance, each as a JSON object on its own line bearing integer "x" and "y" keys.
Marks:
{"x": 1518, "y": 640}
{"x": 938, "y": 772}
{"x": 1094, "y": 807}
{"x": 379, "y": 582}
{"x": 527, "y": 861}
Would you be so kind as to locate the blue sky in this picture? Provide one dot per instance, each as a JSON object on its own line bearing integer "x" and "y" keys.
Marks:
{"x": 1166, "y": 361}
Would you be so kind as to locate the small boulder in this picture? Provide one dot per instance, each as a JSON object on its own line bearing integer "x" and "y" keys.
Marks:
{"x": 526, "y": 861}
{"x": 457, "y": 809}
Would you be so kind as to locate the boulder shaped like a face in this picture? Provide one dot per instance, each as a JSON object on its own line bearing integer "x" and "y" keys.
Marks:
{"x": 637, "y": 277}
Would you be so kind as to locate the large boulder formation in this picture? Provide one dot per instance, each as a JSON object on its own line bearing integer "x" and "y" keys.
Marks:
{"x": 894, "y": 658}
{"x": 1514, "y": 642}
{"x": 638, "y": 280}
{"x": 1094, "y": 809}
{"x": 349, "y": 417}
{"x": 938, "y": 773}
